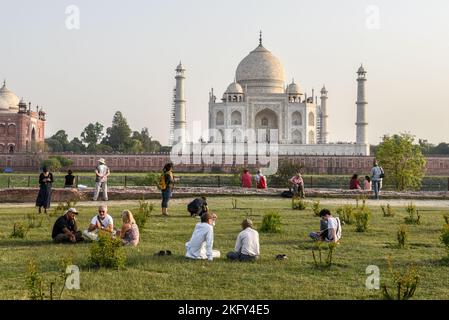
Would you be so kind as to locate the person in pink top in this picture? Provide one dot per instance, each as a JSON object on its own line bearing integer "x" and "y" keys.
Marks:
{"x": 298, "y": 185}
{"x": 246, "y": 179}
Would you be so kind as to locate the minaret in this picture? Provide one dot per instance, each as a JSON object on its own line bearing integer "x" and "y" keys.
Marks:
{"x": 180, "y": 107}
{"x": 324, "y": 132}
{"x": 361, "y": 108}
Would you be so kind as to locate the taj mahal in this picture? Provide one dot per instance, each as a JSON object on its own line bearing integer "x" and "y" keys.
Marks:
{"x": 259, "y": 98}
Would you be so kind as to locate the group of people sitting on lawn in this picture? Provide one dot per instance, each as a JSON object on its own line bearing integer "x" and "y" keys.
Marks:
{"x": 200, "y": 245}
{"x": 65, "y": 229}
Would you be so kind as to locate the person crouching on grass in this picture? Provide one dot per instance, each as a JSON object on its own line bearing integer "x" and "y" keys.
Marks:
{"x": 101, "y": 222}
{"x": 247, "y": 246}
{"x": 65, "y": 228}
{"x": 330, "y": 231}
{"x": 201, "y": 243}
{"x": 129, "y": 233}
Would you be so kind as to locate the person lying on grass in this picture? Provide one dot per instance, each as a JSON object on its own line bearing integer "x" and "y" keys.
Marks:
{"x": 247, "y": 246}
{"x": 102, "y": 221}
{"x": 129, "y": 233}
{"x": 201, "y": 244}
{"x": 330, "y": 232}
{"x": 65, "y": 229}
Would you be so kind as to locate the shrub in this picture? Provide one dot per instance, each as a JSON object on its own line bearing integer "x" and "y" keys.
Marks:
{"x": 107, "y": 252}
{"x": 362, "y": 216}
{"x": 142, "y": 213}
{"x": 19, "y": 230}
{"x": 65, "y": 162}
{"x": 33, "y": 221}
{"x": 271, "y": 223}
{"x": 414, "y": 217}
{"x": 34, "y": 282}
{"x": 446, "y": 218}
{"x": 402, "y": 236}
{"x": 234, "y": 203}
{"x": 285, "y": 171}
{"x": 151, "y": 179}
{"x": 52, "y": 164}
{"x": 346, "y": 214}
{"x": 444, "y": 237}
{"x": 404, "y": 285}
{"x": 216, "y": 169}
{"x": 64, "y": 206}
{"x": 298, "y": 203}
{"x": 316, "y": 208}
{"x": 388, "y": 211}
{"x": 318, "y": 262}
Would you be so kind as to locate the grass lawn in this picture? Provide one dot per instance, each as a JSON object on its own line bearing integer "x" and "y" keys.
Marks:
{"x": 173, "y": 277}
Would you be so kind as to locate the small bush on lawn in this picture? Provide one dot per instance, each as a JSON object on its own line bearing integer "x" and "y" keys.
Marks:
{"x": 402, "y": 236}
{"x": 107, "y": 252}
{"x": 298, "y": 203}
{"x": 362, "y": 216}
{"x": 444, "y": 237}
{"x": 318, "y": 261}
{"x": 19, "y": 230}
{"x": 234, "y": 203}
{"x": 404, "y": 284}
{"x": 388, "y": 211}
{"x": 414, "y": 217}
{"x": 34, "y": 282}
{"x": 446, "y": 218}
{"x": 271, "y": 223}
{"x": 142, "y": 213}
{"x": 316, "y": 208}
{"x": 64, "y": 206}
{"x": 34, "y": 221}
{"x": 346, "y": 214}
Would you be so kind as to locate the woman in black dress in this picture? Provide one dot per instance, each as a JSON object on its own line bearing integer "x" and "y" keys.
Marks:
{"x": 44, "y": 196}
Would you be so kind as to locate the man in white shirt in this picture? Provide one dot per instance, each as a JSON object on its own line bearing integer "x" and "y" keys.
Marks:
{"x": 333, "y": 231}
{"x": 103, "y": 221}
{"x": 101, "y": 180}
{"x": 377, "y": 174}
{"x": 247, "y": 246}
{"x": 201, "y": 244}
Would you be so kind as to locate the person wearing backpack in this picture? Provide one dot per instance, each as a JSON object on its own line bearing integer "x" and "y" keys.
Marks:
{"x": 377, "y": 174}
{"x": 166, "y": 183}
{"x": 330, "y": 228}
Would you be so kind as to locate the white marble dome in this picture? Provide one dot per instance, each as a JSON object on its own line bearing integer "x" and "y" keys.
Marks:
{"x": 293, "y": 88}
{"x": 261, "y": 71}
{"x": 8, "y": 100}
{"x": 234, "y": 88}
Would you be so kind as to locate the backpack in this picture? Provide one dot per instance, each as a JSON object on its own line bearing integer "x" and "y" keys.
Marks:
{"x": 382, "y": 173}
{"x": 161, "y": 184}
{"x": 262, "y": 183}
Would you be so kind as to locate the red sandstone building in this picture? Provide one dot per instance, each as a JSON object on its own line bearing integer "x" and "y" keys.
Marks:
{"x": 21, "y": 129}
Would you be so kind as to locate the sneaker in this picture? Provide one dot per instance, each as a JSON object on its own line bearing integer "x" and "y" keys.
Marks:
{"x": 281, "y": 257}
{"x": 167, "y": 252}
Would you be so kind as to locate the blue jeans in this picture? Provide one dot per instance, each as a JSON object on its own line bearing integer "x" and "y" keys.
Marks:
{"x": 376, "y": 188}
{"x": 240, "y": 256}
{"x": 166, "y": 195}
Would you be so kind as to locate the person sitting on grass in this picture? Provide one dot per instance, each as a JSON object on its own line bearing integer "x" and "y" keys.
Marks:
{"x": 129, "y": 233}
{"x": 65, "y": 229}
{"x": 246, "y": 179}
{"x": 329, "y": 233}
{"x": 298, "y": 185}
{"x": 247, "y": 246}
{"x": 69, "y": 180}
{"x": 201, "y": 244}
{"x": 354, "y": 183}
{"x": 102, "y": 221}
{"x": 198, "y": 207}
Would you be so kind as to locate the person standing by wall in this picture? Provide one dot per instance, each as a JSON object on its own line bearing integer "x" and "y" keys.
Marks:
{"x": 44, "y": 195}
{"x": 101, "y": 179}
{"x": 377, "y": 174}
{"x": 166, "y": 184}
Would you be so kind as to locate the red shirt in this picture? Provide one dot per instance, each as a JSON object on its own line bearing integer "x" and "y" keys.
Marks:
{"x": 246, "y": 180}
{"x": 354, "y": 184}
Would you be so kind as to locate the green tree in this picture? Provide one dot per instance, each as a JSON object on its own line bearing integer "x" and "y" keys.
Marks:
{"x": 148, "y": 144}
{"x": 54, "y": 145}
{"x": 118, "y": 136}
{"x": 52, "y": 164}
{"x": 76, "y": 146}
{"x": 402, "y": 161}
{"x": 92, "y": 135}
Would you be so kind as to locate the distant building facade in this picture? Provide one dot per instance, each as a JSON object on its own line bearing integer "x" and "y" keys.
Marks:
{"x": 21, "y": 129}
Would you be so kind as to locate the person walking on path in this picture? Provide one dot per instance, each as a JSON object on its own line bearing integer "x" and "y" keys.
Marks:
{"x": 101, "y": 179}
{"x": 377, "y": 174}
{"x": 44, "y": 196}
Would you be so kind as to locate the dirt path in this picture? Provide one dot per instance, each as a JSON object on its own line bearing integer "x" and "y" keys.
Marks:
{"x": 333, "y": 201}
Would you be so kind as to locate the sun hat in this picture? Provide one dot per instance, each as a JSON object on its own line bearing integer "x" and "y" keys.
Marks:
{"x": 72, "y": 210}
{"x": 101, "y": 160}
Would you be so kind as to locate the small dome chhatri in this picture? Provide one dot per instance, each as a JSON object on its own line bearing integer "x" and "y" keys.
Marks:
{"x": 8, "y": 100}
{"x": 234, "y": 88}
{"x": 293, "y": 88}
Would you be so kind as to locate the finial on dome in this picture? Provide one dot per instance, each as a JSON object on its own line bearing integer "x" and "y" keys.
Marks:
{"x": 260, "y": 38}
{"x": 4, "y": 82}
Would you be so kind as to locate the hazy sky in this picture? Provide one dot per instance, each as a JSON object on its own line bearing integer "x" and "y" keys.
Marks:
{"x": 124, "y": 55}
